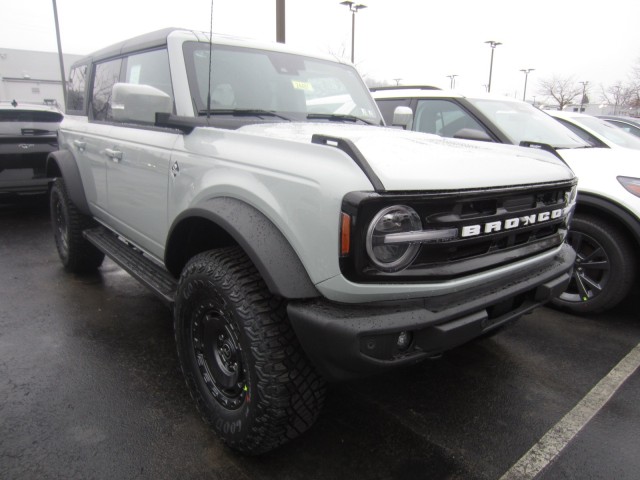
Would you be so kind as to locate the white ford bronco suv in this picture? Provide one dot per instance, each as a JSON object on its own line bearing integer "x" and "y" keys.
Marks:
{"x": 296, "y": 240}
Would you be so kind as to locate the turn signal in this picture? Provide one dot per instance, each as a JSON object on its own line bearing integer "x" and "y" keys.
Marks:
{"x": 345, "y": 234}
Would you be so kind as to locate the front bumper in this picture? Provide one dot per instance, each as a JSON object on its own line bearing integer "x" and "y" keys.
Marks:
{"x": 351, "y": 340}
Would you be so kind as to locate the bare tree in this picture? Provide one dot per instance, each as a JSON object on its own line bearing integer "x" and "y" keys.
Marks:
{"x": 635, "y": 73}
{"x": 634, "y": 86}
{"x": 372, "y": 82}
{"x": 624, "y": 97}
{"x": 340, "y": 52}
{"x": 564, "y": 90}
{"x": 621, "y": 96}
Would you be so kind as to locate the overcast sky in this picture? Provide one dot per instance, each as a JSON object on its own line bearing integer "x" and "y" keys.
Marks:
{"x": 419, "y": 41}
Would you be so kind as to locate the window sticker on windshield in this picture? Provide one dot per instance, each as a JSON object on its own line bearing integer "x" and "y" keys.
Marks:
{"x": 298, "y": 85}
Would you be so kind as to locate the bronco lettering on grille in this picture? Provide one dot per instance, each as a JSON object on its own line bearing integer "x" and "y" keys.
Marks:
{"x": 509, "y": 223}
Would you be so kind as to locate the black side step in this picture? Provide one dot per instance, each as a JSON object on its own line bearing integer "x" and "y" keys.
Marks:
{"x": 150, "y": 274}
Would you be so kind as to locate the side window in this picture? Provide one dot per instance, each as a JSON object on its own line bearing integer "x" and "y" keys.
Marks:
{"x": 76, "y": 86}
{"x": 626, "y": 127}
{"x": 444, "y": 118}
{"x": 621, "y": 125}
{"x": 150, "y": 68}
{"x": 387, "y": 107}
{"x": 143, "y": 90}
{"x": 106, "y": 75}
{"x": 586, "y": 136}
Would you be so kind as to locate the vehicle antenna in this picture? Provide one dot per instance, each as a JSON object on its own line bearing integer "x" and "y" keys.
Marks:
{"x": 210, "y": 45}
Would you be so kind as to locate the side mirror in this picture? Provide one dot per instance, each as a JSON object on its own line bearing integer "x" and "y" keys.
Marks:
{"x": 473, "y": 134}
{"x": 402, "y": 117}
{"x": 131, "y": 102}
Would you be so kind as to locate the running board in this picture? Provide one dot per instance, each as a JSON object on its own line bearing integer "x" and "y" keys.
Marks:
{"x": 149, "y": 273}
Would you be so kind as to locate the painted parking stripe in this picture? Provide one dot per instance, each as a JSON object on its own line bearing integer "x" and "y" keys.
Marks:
{"x": 556, "y": 439}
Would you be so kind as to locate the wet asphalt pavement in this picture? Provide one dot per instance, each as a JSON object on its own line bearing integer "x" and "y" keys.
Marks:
{"x": 90, "y": 388}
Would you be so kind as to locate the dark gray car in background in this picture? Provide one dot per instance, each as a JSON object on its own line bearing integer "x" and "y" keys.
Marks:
{"x": 28, "y": 133}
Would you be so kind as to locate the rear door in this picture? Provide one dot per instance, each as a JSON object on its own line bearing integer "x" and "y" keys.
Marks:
{"x": 96, "y": 139}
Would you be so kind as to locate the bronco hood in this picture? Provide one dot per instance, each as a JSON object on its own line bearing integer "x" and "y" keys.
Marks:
{"x": 406, "y": 160}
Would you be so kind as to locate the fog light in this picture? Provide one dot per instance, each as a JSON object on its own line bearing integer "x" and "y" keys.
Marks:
{"x": 404, "y": 340}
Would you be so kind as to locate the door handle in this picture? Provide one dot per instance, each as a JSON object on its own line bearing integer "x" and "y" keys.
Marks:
{"x": 80, "y": 145}
{"x": 115, "y": 155}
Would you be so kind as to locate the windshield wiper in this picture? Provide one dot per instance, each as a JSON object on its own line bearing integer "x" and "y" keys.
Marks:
{"x": 244, "y": 112}
{"x": 338, "y": 117}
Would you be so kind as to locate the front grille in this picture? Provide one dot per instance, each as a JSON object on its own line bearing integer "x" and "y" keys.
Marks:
{"x": 492, "y": 213}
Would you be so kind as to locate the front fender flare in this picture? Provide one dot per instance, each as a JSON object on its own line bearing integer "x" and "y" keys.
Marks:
{"x": 262, "y": 241}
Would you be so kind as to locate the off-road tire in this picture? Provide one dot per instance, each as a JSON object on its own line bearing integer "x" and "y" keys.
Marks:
{"x": 224, "y": 316}
{"x": 68, "y": 223}
{"x": 605, "y": 267}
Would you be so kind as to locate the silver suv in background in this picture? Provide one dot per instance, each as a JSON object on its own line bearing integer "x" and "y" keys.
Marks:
{"x": 296, "y": 240}
{"x": 605, "y": 230}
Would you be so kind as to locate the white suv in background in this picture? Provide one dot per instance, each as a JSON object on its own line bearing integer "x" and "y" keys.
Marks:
{"x": 606, "y": 226}
{"x": 596, "y": 131}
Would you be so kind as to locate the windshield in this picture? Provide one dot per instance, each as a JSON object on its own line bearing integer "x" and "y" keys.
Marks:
{"x": 293, "y": 86}
{"x": 608, "y": 131}
{"x": 520, "y": 122}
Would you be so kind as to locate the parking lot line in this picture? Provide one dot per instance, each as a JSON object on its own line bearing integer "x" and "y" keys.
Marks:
{"x": 558, "y": 437}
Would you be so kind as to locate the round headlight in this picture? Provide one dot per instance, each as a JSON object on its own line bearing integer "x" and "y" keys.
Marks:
{"x": 387, "y": 254}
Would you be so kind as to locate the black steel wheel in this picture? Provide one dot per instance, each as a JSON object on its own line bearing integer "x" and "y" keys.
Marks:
{"x": 76, "y": 253}
{"x": 604, "y": 270}
{"x": 241, "y": 360}
{"x": 218, "y": 355}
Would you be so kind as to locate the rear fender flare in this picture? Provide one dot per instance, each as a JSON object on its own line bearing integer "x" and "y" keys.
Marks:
{"x": 62, "y": 164}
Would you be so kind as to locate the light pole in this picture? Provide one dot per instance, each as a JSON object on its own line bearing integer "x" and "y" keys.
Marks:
{"x": 280, "y": 21}
{"x": 584, "y": 90}
{"x": 493, "y": 44}
{"x": 526, "y": 76}
{"x": 353, "y": 7}
{"x": 452, "y": 83}
{"x": 62, "y": 75}
{"x": 397, "y": 80}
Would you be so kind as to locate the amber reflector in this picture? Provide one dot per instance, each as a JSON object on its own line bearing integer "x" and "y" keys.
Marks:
{"x": 345, "y": 234}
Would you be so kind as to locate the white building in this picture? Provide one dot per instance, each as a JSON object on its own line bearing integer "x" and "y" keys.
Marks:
{"x": 33, "y": 77}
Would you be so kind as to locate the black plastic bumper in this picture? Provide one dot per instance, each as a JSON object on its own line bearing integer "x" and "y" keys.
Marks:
{"x": 352, "y": 340}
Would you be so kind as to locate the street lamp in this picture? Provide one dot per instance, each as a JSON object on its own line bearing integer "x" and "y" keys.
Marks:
{"x": 526, "y": 76}
{"x": 452, "y": 79}
{"x": 493, "y": 44}
{"x": 584, "y": 90}
{"x": 353, "y": 7}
